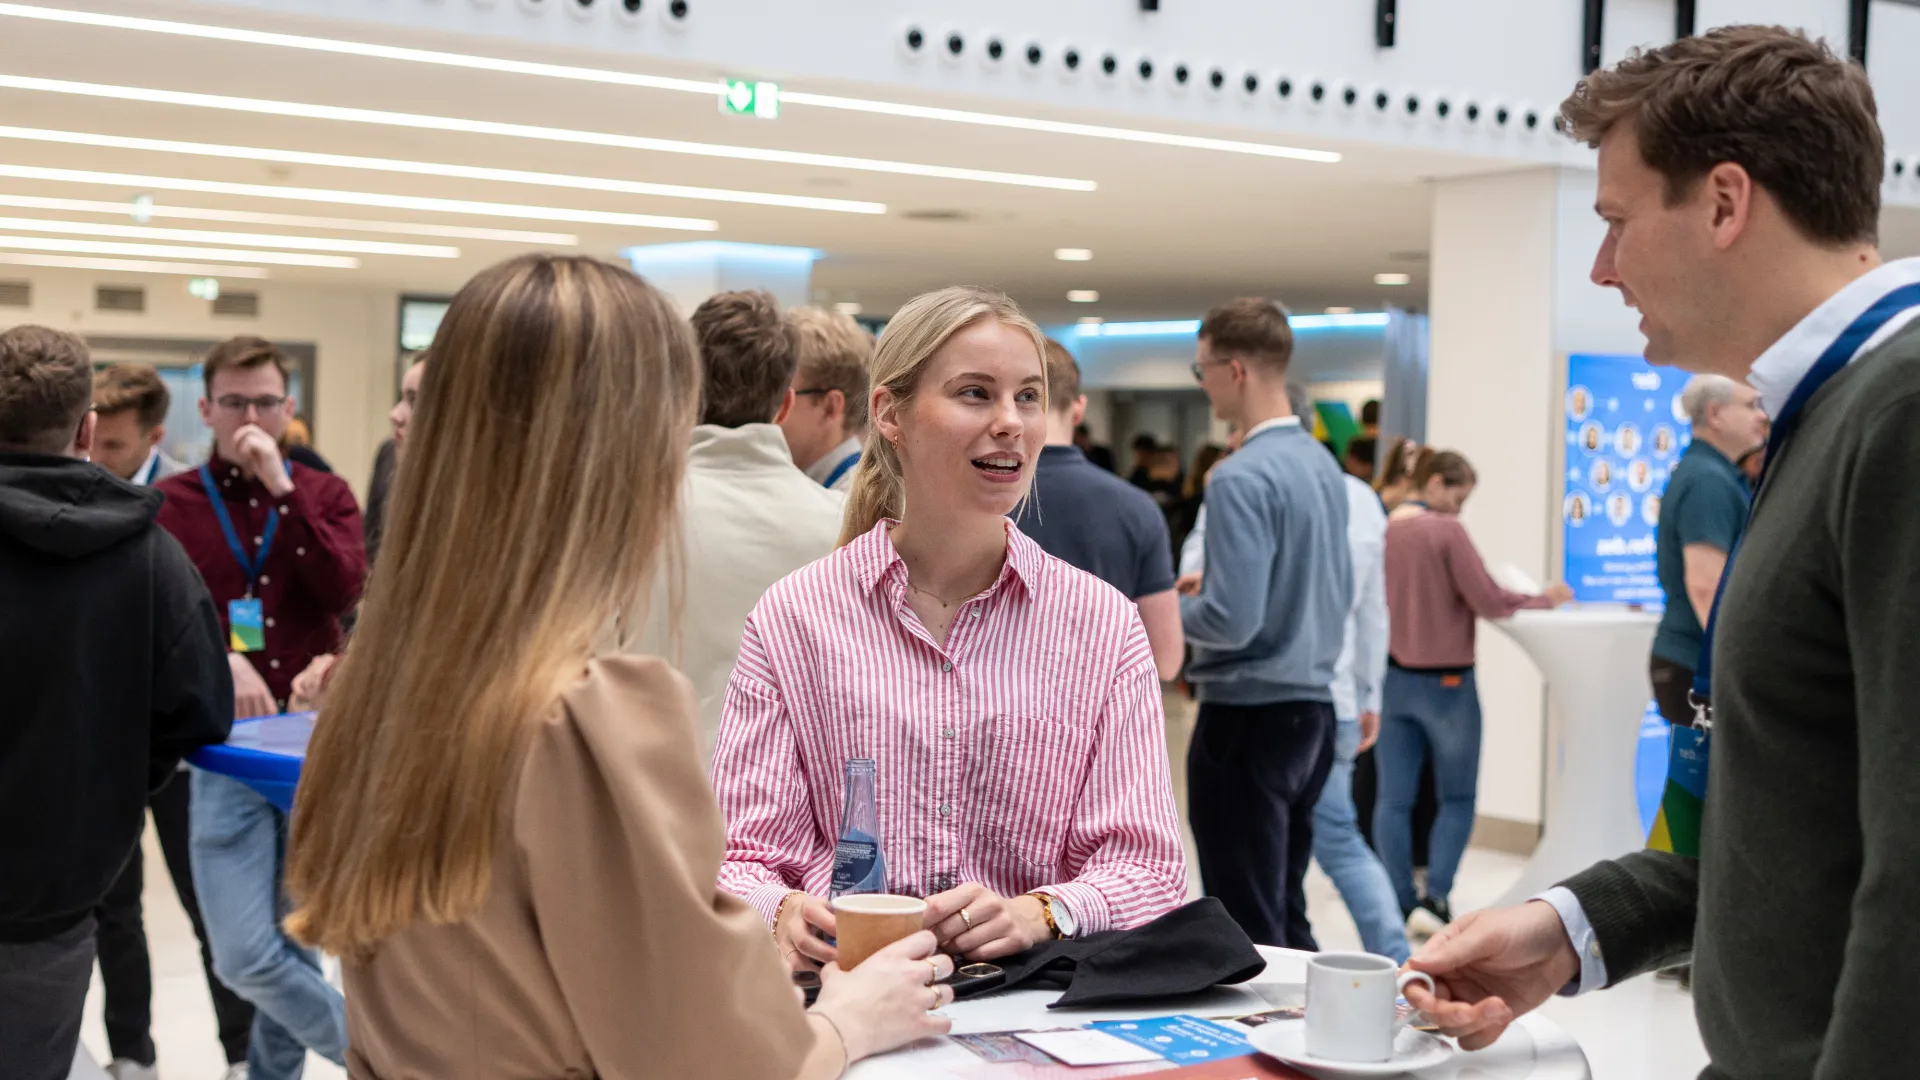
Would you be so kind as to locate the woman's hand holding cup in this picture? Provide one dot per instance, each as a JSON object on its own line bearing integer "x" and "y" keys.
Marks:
{"x": 889, "y": 1000}
{"x": 803, "y": 919}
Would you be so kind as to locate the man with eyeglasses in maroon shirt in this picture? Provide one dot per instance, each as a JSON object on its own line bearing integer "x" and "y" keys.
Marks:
{"x": 280, "y": 547}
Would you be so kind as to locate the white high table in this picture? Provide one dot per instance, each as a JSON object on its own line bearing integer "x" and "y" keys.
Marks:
{"x": 1534, "y": 1048}
{"x": 1594, "y": 659}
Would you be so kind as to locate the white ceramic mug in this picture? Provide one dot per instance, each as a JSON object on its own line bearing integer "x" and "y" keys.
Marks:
{"x": 1351, "y": 1000}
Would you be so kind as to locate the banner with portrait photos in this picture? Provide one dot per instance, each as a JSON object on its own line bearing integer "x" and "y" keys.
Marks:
{"x": 1625, "y": 432}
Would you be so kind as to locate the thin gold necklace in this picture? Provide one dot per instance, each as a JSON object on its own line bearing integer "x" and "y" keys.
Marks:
{"x": 944, "y": 601}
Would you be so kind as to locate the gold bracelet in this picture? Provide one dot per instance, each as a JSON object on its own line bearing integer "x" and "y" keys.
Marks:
{"x": 846, "y": 1052}
{"x": 781, "y": 911}
{"x": 1046, "y": 912}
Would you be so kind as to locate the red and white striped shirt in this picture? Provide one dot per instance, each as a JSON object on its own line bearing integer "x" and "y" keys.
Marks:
{"x": 1028, "y": 754}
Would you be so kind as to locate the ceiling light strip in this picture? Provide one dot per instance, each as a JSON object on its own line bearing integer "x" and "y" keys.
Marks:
{"x": 1056, "y": 127}
{"x": 176, "y": 251}
{"x": 358, "y": 198}
{"x": 205, "y": 236}
{"x": 133, "y": 266}
{"x": 424, "y": 122}
{"x": 292, "y": 221}
{"x": 654, "y": 82}
{"x": 440, "y": 169}
{"x": 360, "y": 48}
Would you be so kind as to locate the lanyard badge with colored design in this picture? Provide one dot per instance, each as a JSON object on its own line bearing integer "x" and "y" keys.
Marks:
{"x": 1683, "y": 803}
{"x": 246, "y": 619}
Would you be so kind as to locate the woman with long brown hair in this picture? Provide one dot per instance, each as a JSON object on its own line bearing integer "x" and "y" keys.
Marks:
{"x": 1008, "y": 701}
{"x": 1395, "y": 483}
{"x": 1437, "y": 586}
{"x": 511, "y": 844}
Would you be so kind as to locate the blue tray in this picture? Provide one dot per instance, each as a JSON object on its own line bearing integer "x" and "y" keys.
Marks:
{"x": 263, "y": 752}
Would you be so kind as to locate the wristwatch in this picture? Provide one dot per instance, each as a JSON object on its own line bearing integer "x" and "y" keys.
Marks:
{"x": 1046, "y": 912}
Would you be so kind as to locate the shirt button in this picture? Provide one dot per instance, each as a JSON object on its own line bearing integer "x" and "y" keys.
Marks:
{"x": 283, "y": 509}
{"x": 269, "y": 624}
{"x": 253, "y": 502}
{"x": 233, "y": 472}
{"x": 264, "y": 579}
{"x": 275, "y": 664}
{"x": 299, "y": 551}
{"x": 256, "y": 541}
{"x": 976, "y": 613}
{"x": 948, "y": 666}
{"x": 945, "y": 810}
{"x": 946, "y": 733}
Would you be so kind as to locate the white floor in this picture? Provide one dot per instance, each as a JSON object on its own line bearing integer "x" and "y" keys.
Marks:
{"x": 1641, "y": 1031}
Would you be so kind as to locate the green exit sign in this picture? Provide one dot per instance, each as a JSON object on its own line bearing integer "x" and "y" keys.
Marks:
{"x": 744, "y": 97}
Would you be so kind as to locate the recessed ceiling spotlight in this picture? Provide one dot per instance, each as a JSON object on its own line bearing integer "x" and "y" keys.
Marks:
{"x": 848, "y": 307}
{"x": 1339, "y": 311}
{"x": 1073, "y": 254}
{"x": 1392, "y": 279}
{"x": 1084, "y": 296}
{"x": 1091, "y": 320}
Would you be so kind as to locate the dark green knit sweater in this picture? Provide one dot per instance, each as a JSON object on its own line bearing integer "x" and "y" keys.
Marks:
{"x": 1803, "y": 913}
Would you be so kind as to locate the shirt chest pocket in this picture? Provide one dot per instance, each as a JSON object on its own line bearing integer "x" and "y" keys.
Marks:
{"x": 1024, "y": 778}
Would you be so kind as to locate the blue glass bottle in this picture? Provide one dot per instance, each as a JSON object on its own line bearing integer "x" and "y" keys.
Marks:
{"x": 858, "y": 865}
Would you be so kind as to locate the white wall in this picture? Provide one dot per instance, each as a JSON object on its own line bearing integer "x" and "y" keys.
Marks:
{"x": 354, "y": 330}
{"x": 1523, "y": 53}
{"x": 1504, "y": 315}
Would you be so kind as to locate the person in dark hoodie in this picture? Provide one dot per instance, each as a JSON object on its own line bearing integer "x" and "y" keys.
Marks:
{"x": 114, "y": 667}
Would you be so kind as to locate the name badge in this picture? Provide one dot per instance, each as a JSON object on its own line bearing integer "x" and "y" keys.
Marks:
{"x": 246, "y": 625}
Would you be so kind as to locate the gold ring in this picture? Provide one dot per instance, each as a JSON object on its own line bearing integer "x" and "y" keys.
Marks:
{"x": 934, "y": 970}
{"x": 966, "y": 918}
{"x": 935, "y": 1007}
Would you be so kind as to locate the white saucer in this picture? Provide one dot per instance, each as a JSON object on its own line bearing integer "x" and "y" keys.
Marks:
{"x": 1287, "y": 1040}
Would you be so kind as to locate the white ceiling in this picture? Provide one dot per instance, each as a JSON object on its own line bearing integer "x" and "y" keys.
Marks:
{"x": 1172, "y": 230}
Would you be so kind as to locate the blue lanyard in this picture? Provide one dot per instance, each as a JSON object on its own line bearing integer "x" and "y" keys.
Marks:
{"x": 250, "y": 567}
{"x": 153, "y": 467}
{"x": 840, "y": 470}
{"x": 1838, "y": 356}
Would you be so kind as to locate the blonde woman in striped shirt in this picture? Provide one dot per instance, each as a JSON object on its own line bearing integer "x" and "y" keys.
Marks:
{"x": 1009, "y": 699}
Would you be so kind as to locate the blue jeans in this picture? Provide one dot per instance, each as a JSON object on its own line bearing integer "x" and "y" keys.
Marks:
{"x": 239, "y": 851}
{"x": 1426, "y": 712}
{"x": 1343, "y": 853}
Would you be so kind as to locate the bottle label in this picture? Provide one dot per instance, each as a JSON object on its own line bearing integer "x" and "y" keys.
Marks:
{"x": 858, "y": 866}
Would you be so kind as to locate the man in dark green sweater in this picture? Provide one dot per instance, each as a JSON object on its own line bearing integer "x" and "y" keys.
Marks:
{"x": 1740, "y": 176}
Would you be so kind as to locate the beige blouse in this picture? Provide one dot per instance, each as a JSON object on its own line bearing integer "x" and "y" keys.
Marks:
{"x": 604, "y": 947}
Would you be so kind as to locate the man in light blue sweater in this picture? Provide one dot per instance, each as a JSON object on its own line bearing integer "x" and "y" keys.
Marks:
{"x": 1266, "y": 628}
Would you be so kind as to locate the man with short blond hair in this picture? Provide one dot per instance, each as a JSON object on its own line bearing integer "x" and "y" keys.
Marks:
{"x": 111, "y": 660}
{"x": 828, "y": 420}
{"x": 1739, "y": 177}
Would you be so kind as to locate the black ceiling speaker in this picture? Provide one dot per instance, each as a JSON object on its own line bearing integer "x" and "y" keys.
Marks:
{"x": 1383, "y": 20}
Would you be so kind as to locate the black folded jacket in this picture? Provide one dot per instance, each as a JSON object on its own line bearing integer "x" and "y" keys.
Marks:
{"x": 1184, "y": 951}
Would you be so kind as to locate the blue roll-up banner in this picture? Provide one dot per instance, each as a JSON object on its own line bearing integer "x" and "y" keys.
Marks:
{"x": 1625, "y": 430}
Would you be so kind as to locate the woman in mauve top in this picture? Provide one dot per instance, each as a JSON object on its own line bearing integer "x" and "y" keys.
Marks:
{"x": 1436, "y": 587}
{"x": 1009, "y": 699}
